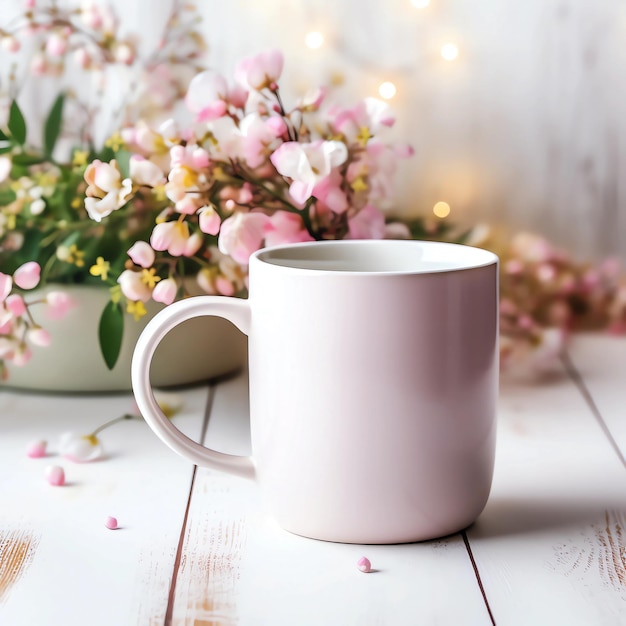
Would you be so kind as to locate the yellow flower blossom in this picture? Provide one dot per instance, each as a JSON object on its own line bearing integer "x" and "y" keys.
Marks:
{"x": 101, "y": 268}
{"x": 136, "y": 309}
{"x": 80, "y": 158}
{"x": 159, "y": 193}
{"x": 115, "y": 142}
{"x": 219, "y": 174}
{"x": 364, "y": 135}
{"x": 71, "y": 255}
{"x": 359, "y": 184}
{"x": 149, "y": 277}
{"x": 77, "y": 203}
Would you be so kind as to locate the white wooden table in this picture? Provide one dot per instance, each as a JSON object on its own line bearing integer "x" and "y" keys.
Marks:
{"x": 195, "y": 547}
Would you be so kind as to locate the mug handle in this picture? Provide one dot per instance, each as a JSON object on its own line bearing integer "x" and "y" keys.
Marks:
{"x": 234, "y": 310}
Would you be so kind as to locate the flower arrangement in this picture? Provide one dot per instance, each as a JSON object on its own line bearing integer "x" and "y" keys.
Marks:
{"x": 545, "y": 295}
{"x": 164, "y": 208}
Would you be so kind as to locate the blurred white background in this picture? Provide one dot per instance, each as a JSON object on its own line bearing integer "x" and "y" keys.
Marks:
{"x": 525, "y": 128}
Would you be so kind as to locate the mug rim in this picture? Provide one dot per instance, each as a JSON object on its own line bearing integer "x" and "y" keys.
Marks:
{"x": 476, "y": 257}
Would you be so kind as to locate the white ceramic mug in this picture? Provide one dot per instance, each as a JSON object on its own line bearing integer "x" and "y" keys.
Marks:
{"x": 373, "y": 384}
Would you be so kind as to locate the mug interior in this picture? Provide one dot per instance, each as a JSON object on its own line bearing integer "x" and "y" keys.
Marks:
{"x": 376, "y": 256}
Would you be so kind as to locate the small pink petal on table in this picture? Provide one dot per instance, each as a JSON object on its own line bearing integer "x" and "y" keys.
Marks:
{"x": 111, "y": 523}
{"x": 36, "y": 449}
{"x": 364, "y": 565}
{"x": 55, "y": 475}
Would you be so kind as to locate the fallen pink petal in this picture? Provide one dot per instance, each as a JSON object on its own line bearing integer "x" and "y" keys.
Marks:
{"x": 364, "y": 565}
{"x": 55, "y": 475}
{"x": 111, "y": 523}
{"x": 36, "y": 449}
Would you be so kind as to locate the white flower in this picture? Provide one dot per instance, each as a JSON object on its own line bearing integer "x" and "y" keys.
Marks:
{"x": 308, "y": 164}
{"x": 145, "y": 173}
{"x": 5, "y": 168}
{"x": 80, "y": 448}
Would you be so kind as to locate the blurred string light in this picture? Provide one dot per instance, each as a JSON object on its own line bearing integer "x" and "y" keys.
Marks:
{"x": 449, "y": 51}
{"x": 441, "y": 209}
{"x": 314, "y": 40}
{"x": 387, "y": 90}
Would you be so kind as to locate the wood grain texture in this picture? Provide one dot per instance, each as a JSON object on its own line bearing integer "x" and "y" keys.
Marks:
{"x": 17, "y": 549}
{"x": 238, "y": 567}
{"x": 549, "y": 545}
{"x": 82, "y": 572}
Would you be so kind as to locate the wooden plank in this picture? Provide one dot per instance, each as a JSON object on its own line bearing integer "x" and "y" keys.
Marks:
{"x": 598, "y": 362}
{"x": 74, "y": 570}
{"x": 238, "y": 567}
{"x": 549, "y": 546}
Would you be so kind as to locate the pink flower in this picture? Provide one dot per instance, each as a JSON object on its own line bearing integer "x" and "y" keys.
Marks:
{"x": 21, "y": 356}
{"x": 200, "y": 158}
{"x": 106, "y": 190}
{"x": 284, "y": 227}
{"x": 371, "y": 114}
{"x": 368, "y": 223}
{"x": 276, "y": 125}
{"x": 209, "y": 220}
{"x": 224, "y": 287}
{"x": 145, "y": 173}
{"x": 56, "y": 45}
{"x": 193, "y": 244}
{"x": 170, "y": 236}
{"x": 187, "y": 205}
{"x": 59, "y": 304}
{"x": 39, "y": 65}
{"x": 258, "y": 137}
{"x": 6, "y": 284}
{"x": 312, "y": 99}
{"x": 15, "y": 303}
{"x": 207, "y": 95}
{"x": 10, "y": 44}
{"x": 242, "y": 234}
{"x": 82, "y": 58}
{"x": 308, "y": 164}
{"x": 27, "y": 275}
{"x": 38, "y": 336}
{"x": 397, "y": 230}
{"x": 165, "y": 291}
{"x": 329, "y": 191}
{"x": 133, "y": 287}
{"x": 124, "y": 52}
{"x": 260, "y": 71}
{"x": 142, "y": 254}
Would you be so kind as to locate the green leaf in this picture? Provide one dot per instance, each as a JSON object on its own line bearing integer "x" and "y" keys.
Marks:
{"x": 17, "y": 124}
{"x": 52, "y": 128}
{"x": 28, "y": 159}
{"x": 110, "y": 333}
{"x": 3, "y": 136}
{"x": 123, "y": 161}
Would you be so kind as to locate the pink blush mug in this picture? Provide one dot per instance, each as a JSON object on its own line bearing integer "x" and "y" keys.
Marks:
{"x": 373, "y": 384}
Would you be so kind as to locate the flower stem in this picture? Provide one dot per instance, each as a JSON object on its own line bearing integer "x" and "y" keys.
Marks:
{"x": 127, "y": 416}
